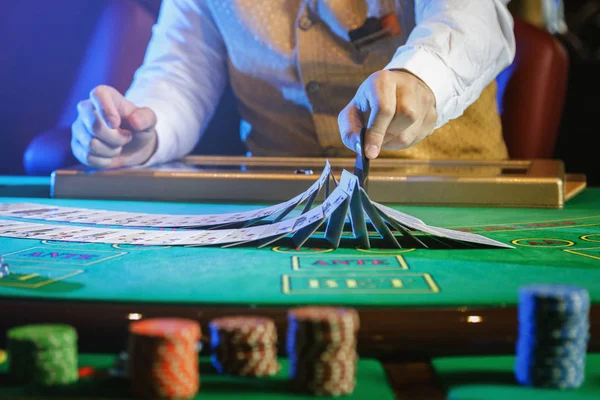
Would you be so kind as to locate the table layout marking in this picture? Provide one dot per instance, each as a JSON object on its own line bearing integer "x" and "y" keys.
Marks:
{"x": 374, "y": 250}
{"x": 527, "y": 226}
{"x": 63, "y": 256}
{"x": 587, "y": 237}
{"x": 289, "y": 250}
{"x": 581, "y": 252}
{"x": 348, "y": 263}
{"x": 384, "y": 283}
{"x": 141, "y": 247}
{"x": 14, "y": 280}
{"x": 543, "y": 242}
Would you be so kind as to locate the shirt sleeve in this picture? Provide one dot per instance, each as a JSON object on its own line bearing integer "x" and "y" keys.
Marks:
{"x": 457, "y": 48}
{"x": 182, "y": 78}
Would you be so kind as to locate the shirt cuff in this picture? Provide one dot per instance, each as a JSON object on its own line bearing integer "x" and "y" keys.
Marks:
{"x": 430, "y": 68}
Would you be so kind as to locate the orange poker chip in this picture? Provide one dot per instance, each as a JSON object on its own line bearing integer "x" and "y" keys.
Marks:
{"x": 168, "y": 328}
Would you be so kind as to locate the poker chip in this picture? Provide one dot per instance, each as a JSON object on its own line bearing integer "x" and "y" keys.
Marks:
{"x": 245, "y": 346}
{"x": 553, "y": 336}
{"x": 43, "y": 355}
{"x": 163, "y": 358}
{"x": 4, "y": 269}
{"x": 321, "y": 346}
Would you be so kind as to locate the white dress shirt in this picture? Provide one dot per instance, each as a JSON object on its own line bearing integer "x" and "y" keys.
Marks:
{"x": 293, "y": 68}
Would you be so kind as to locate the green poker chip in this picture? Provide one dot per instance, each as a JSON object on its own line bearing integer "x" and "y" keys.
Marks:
{"x": 43, "y": 355}
{"x": 43, "y": 336}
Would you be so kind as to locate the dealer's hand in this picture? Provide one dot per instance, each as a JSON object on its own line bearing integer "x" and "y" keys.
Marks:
{"x": 397, "y": 108}
{"x": 110, "y": 131}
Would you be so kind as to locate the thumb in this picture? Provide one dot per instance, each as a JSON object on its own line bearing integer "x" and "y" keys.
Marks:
{"x": 350, "y": 123}
{"x": 142, "y": 119}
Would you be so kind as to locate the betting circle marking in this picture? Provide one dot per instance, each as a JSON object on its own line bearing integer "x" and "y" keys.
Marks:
{"x": 138, "y": 247}
{"x": 288, "y": 250}
{"x": 595, "y": 236}
{"x": 543, "y": 242}
{"x": 384, "y": 251}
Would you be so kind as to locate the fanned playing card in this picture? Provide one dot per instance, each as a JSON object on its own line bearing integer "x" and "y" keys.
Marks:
{"x": 264, "y": 226}
{"x": 307, "y": 225}
{"x": 378, "y": 222}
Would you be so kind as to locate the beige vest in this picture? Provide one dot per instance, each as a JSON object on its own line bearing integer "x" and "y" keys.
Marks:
{"x": 293, "y": 69}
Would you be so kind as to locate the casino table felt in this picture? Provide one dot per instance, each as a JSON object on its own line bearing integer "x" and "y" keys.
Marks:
{"x": 491, "y": 378}
{"x": 552, "y": 246}
{"x": 371, "y": 383}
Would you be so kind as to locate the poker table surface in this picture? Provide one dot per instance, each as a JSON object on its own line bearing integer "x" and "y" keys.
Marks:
{"x": 437, "y": 301}
{"x": 98, "y": 383}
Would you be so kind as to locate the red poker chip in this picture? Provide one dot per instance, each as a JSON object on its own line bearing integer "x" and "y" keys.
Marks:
{"x": 86, "y": 372}
{"x": 166, "y": 328}
{"x": 163, "y": 358}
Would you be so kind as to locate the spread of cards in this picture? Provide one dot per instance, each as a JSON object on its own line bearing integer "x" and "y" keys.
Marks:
{"x": 346, "y": 205}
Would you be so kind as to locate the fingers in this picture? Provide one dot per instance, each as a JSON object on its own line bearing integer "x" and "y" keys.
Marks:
{"x": 350, "y": 122}
{"x": 399, "y": 109}
{"x": 84, "y": 157}
{"x": 95, "y": 146}
{"x": 111, "y": 105}
{"x": 94, "y": 125}
{"x": 110, "y": 131}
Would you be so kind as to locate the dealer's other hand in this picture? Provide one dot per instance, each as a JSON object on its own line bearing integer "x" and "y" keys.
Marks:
{"x": 110, "y": 131}
{"x": 397, "y": 108}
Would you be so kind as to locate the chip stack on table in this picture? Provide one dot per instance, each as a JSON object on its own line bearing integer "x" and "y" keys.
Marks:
{"x": 553, "y": 336}
{"x": 245, "y": 346}
{"x": 163, "y": 361}
{"x": 4, "y": 269}
{"x": 43, "y": 355}
{"x": 321, "y": 347}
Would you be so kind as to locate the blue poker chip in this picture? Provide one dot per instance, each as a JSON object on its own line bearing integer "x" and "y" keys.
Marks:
{"x": 554, "y": 332}
{"x": 535, "y": 351}
{"x": 4, "y": 270}
{"x": 561, "y": 299}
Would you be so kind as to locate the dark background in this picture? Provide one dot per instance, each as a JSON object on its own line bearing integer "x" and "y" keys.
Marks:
{"x": 42, "y": 43}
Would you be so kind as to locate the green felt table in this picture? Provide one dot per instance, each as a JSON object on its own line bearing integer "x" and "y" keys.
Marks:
{"x": 424, "y": 299}
{"x": 491, "y": 378}
{"x": 371, "y": 383}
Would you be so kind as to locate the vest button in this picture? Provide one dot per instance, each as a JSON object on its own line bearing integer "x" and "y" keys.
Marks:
{"x": 305, "y": 23}
{"x": 313, "y": 87}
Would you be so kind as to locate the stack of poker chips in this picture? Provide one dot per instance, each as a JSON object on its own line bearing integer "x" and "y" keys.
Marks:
{"x": 4, "y": 269}
{"x": 163, "y": 358}
{"x": 321, "y": 347}
{"x": 553, "y": 336}
{"x": 245, "y": 346}
{"x": 43, "y": 355}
